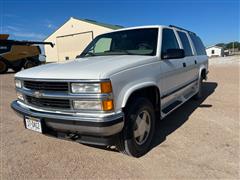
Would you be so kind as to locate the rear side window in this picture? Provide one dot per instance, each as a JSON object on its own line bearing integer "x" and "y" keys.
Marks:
{"x": 198, "y": 44}
{"x": 169, "y": 41}
{"x": 185, "y": 42}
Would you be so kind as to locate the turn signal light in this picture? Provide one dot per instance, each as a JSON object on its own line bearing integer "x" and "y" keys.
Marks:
{"x": 106, "y": 87}
{"x": 107, "y": 105}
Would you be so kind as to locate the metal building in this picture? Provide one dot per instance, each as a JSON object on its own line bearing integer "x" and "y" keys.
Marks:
{"x": 72, "y": 37}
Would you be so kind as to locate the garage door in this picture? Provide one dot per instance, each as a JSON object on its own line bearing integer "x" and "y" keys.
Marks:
{"x": 70, "y": 46}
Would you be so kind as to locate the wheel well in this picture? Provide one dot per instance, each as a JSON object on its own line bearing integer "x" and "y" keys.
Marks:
{"x": 152, "y": 93}
{"x": 204, "y": 74}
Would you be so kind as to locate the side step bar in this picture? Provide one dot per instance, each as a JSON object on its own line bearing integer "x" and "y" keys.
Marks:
{"x": 171, "y": 107}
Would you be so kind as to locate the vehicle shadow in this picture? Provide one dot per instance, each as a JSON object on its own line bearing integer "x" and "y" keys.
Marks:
{"x": 177, "y": 118}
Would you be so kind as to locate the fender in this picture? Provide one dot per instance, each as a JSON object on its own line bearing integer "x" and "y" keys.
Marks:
{"x": 128, "y": 92}
{"x": 201, "y": 68}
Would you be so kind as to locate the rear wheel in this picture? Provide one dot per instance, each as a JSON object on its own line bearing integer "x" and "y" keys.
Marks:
{"x": 3, "y": 66}
{"x": 137, "y": 135}
{"x": 199, "y": 93}
{"x": 29, "y": 64}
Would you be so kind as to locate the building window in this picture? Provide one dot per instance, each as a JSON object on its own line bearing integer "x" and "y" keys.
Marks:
{"x": 213, "y": 51}
{"x": 66, "y": 58}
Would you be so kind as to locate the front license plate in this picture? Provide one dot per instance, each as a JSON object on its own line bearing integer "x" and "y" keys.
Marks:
{"x": 33, "y": 124}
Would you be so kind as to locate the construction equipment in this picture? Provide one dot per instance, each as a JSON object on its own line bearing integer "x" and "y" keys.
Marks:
{"x": 19, "y": 54}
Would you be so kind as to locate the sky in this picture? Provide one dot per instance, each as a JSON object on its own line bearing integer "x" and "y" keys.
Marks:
{"x": 215, "y": 21}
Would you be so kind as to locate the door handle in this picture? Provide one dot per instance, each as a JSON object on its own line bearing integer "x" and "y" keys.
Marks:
{"x": 184, "y": 64}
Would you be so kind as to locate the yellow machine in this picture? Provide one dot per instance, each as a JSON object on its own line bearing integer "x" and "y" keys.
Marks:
{"x": 18, "y": 54}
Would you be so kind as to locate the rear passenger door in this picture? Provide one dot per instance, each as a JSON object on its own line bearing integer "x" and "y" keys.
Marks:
{"x": 190, "y": 69}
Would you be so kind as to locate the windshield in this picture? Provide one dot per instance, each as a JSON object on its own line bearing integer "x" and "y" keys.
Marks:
{"x": 128, "y": 42}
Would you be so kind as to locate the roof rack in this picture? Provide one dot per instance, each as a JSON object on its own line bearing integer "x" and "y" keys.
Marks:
{"x": 181, "y": 29}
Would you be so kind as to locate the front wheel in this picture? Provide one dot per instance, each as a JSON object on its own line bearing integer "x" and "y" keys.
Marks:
{"x": 136, "y": 137}
{"x": 3, "y": 66}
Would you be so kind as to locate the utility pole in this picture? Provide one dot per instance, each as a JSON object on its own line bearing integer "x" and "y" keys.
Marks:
{"x": 233, "y": 47}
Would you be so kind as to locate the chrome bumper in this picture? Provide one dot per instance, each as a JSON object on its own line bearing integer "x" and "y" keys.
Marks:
{"x": 95, "y": 125}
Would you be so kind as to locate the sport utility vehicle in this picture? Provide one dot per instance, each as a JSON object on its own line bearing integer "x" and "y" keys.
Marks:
{"x": 113, "y": 94}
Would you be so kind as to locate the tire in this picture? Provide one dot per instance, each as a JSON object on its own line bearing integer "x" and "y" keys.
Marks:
{"x": 198, "y": 95}
{"x": 17, "y": 65}
{"x": 3, "y": 66}
{"x": 29, "y": 64}
{"x": 17, "y": 69}
{"x": 136, "y": 137}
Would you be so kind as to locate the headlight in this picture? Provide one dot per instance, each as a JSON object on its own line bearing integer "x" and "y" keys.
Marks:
{"x": 97, "y": 105}
{"x": 18, "y": 83}
{"x": 103, "y": 87}
{"x": 85, "y": 88}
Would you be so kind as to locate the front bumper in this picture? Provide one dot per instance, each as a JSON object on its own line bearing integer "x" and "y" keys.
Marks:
{"x": 93, "y": 125}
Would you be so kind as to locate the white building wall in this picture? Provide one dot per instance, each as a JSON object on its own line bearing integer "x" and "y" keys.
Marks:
{"x": 73, "y": 27}
{"x": 214, "y": 51}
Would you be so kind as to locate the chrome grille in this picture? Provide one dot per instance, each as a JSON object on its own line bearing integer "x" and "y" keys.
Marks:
{"x": 46, "y": 86}
{"x": 49, "y": 103}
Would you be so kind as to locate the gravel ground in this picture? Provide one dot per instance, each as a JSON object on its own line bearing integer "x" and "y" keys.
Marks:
{"x": 199, "y": 140}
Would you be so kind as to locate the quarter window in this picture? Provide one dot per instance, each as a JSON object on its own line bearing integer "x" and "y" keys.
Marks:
{"x": 185, "y": 42}
{"x": 200, "y": 49}
{"x": 169, "y": 41}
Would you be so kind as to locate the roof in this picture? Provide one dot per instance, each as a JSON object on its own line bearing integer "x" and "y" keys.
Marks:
{"x": 139, "y": 27}
{"x": 214, "y": 46}
{"x": 152, "y": 26}
{"x": 110, "y": 26}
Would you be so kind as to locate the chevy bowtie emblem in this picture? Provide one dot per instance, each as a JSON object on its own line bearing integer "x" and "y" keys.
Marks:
{"x": 37, "y": 94}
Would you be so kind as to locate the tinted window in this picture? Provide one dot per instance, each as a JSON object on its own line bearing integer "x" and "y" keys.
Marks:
{"x": 198, "y": 44}
{"x": 4, "y": 48}
{"x": 185, "y": 42}
{"x": 169, "y": 41}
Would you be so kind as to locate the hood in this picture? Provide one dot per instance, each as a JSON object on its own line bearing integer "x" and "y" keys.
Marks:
{"x": 100, "y": 67}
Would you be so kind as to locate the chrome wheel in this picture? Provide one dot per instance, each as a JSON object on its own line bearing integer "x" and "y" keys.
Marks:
{"x": 142, "y": 127}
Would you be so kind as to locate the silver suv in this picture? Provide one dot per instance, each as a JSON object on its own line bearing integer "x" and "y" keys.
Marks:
{"x": 116, "y": 90}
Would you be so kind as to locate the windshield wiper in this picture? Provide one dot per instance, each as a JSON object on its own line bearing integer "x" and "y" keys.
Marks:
{"x": 120, "y": 51}
{"x": 87, "y": 53}
{"x": 105, "y": 53}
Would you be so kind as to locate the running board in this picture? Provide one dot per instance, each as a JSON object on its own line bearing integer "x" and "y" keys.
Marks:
{"x": 178, "y": 102}
{"x": 172, "y": 106}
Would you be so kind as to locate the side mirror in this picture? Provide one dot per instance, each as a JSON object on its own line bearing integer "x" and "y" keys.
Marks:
{"x": 173, "y": 54}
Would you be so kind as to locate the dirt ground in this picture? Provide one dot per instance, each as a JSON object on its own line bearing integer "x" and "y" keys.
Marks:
{"x": 199, "y": 140}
